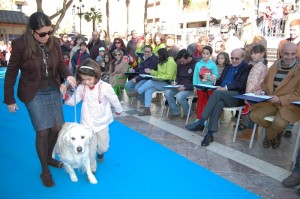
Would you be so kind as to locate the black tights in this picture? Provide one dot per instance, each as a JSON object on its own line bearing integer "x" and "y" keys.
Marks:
{"x": 44, "y": 143}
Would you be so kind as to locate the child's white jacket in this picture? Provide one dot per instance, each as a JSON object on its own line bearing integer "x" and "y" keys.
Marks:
{"x": 96, "y": 111}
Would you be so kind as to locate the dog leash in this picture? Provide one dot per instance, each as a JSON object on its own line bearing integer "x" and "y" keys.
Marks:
{"x": 75, "y": 112}
{"x": 74, "y": 94}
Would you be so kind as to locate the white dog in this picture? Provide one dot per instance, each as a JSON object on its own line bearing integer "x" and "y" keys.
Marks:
{"x": 73, "y": 148}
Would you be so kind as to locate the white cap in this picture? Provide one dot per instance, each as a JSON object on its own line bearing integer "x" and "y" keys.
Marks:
{"x": 101, "y": 49}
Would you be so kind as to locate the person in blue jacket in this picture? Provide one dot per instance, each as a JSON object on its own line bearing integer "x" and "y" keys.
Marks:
{"x": 232, "y": 82}
{"x": 79, "y": 56}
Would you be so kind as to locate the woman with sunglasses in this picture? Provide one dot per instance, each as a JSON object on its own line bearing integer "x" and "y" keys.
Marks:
{"x": 117, "y": 69}
{"x": 38, "y": 56}
{"x": 117, "y": 44}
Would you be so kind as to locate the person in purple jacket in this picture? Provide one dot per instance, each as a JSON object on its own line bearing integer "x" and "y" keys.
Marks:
{"x": 184, "y": 79}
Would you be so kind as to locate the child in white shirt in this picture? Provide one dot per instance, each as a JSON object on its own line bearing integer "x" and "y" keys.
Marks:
{"x": 97, "y": 98}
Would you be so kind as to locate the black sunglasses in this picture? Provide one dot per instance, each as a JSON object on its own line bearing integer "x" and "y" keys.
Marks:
{"x": 43, "y": 34}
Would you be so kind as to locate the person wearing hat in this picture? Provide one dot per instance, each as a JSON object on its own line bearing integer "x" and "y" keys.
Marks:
{"x": 100, "y": 57}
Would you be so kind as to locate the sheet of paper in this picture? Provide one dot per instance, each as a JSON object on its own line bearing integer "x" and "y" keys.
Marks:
{"x": 205, "y": 86}
{"x": 259, "y": 96}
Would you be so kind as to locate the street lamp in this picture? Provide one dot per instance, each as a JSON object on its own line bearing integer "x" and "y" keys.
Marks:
{"x": 80, "y": 12}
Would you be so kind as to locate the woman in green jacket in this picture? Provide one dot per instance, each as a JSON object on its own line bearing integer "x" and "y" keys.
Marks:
{"x": 166, "y": 72}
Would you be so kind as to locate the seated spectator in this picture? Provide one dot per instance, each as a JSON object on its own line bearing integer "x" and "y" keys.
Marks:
{"x": 231, "y": 41}
{"x": 184, "y": 78}
{"x": 150, "y": 61}
{"x": 117, "y": 68}
{"x": 100, "y": 57}
{"x": 195, "y": 49}
{"x": 232, "y": 82}
{"x": 218, "y": 47}
{"x": 294, "y": 37}
{"x": 222, "y": 61}
{"x": 79, "y": 39}
{"x": 206, "y": 72}
{"x": 171, "y": 46}
{"x": 105, "y": 67}
{"x": 79, "y": 56}
{"x": 256, "y": 76}
{"x": 282, "y": 84}
{"x": 165, "y": 74}
{"x": 118, "y": 43}
{"x": 159, "y": 41}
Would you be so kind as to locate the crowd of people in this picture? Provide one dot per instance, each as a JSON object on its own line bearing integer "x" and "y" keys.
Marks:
{"x": 235, "y": 64}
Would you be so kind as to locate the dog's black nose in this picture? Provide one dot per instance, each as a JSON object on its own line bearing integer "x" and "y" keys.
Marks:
{"x": 79, "y": 149}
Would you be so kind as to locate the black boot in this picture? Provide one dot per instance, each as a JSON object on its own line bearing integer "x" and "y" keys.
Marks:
{"x": 207, "y": 140}
{"x": 196, "y": 126}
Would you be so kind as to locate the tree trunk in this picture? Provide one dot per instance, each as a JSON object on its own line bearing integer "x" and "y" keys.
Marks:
{"x": 145, "y": 15}
{"x": 60, "y": 13}
{"x": 107, "y": 19}
{"x": 127, "y": 16}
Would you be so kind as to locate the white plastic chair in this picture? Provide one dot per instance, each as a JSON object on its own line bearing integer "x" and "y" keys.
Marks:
{"x": 239, "y": 109}
{"x": 190, "y": 102}
{"x": 270, "y": 119}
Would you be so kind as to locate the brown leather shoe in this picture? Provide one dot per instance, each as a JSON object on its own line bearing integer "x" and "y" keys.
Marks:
{"x": 246, "y": 136}
{"x": 292, "y": 181}
{"x": 145, "y": 112}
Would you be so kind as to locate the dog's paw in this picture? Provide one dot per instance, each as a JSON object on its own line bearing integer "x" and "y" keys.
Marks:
{"x": 92, "y": 179}
{"x": 74, "y": 178}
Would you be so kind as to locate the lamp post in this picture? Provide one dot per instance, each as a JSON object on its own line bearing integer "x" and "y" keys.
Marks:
{"x": 80, "y": 12}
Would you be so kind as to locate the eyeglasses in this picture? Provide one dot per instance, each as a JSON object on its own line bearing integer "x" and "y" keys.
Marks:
{"x": 43, "y": 34}
{"x": 117, "y": 54}
{"x": 224, "y": 32}
{"x": 117, "y": 42}
{"x": 234, "y": 58}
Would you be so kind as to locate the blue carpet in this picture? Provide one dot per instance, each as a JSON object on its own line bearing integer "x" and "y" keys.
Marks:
{"x": 134, "y": 168}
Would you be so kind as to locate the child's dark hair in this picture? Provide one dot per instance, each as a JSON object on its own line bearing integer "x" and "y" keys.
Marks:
{"x": 83, "y": 44}
{"x": 260, "y": 49}
{"x": 209, "y": 48}
{"x": 226, "y": 57}
{"x": 90, "y": 68}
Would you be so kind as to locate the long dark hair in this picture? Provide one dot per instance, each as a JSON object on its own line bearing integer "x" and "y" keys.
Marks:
{"x": 162, "y": 55}
{"x": 260, "y": 49}
{"x": 36, "y": 21}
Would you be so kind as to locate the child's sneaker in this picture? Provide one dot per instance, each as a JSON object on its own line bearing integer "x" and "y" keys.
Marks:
{"x": 100, "y": 157}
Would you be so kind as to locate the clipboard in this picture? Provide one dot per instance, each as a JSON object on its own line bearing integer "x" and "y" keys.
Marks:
{"x": 172, "y": 86}
{"x": 131, "y": 73}
{"x": 252, "y": 97}
{"x": 201, "y": 86}
{"x": 146, "y": 76}
{"x": 297, "y": 103}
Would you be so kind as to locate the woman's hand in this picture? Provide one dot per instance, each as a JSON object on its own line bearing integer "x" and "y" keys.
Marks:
{"x": 72, "y": 81}
{"x": 63, "y": 89}
{"x": 12, "y": 108}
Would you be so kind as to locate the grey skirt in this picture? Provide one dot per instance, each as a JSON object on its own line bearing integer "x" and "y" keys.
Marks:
{"x": 45, "y": 109}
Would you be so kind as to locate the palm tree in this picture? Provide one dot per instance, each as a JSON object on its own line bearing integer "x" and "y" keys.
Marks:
{"x": 94, "y": 16}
